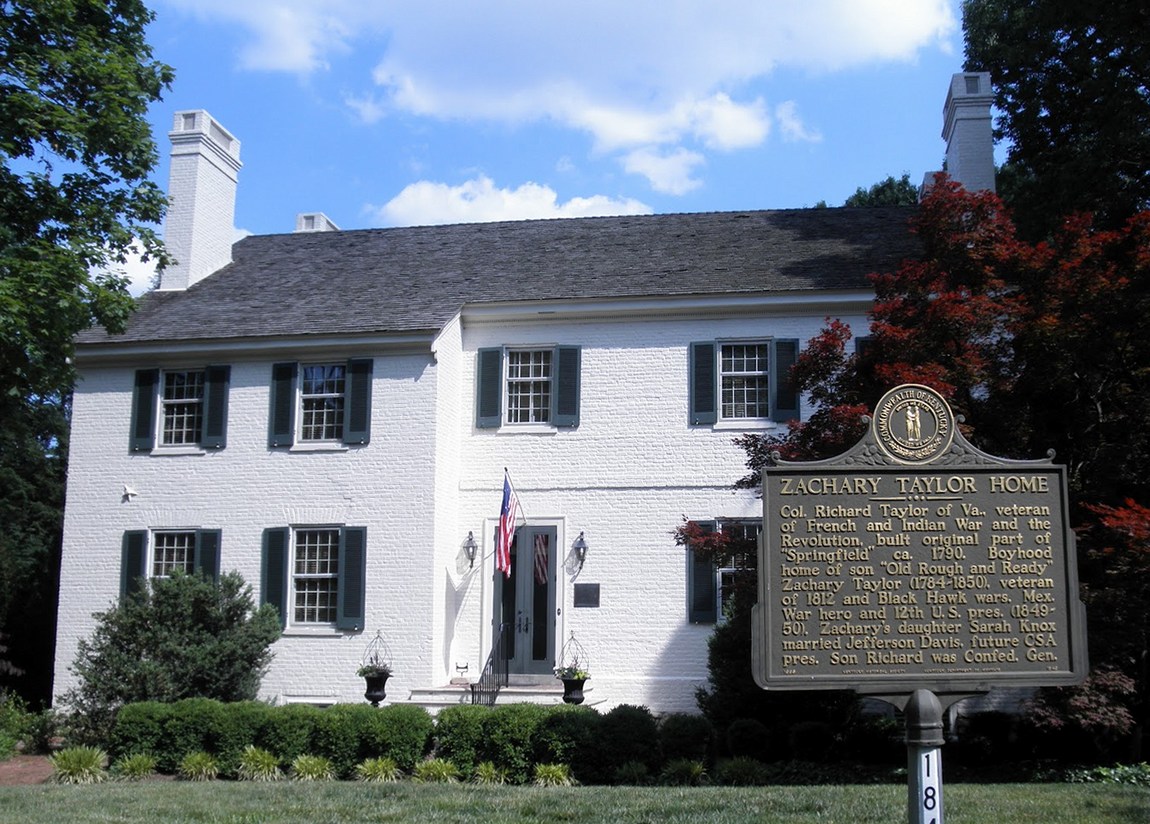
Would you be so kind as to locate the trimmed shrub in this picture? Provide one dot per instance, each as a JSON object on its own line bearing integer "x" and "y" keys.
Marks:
{"x": 686, "y": 736}
{"x": 630, "y": 733}
{"x": 811, "y": 741}
{"x": 336, "y": 735}
{"x": 875, "y": 739}
{"x": 287, "y": 730}
{"x": 15, "y": 723}
{"x": 139, "y": 728}
{"x": 748, "y": 738}
{"x": 198, "y": 766}
{"x": 459, "y": 734}
{"x": 508, "y": 731}
{"x": 192, "y": 726}
{"x": 571, "y": 735}
{"x": 402, "y": 733}
{"x": 79, "y": 765}
{"x": 240, "y": 725}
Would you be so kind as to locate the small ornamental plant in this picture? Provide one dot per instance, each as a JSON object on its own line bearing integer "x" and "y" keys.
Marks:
{"x": 376, "y": 660}
{"x": 572, "y": 662}
{"x": 373, "y": 670}
{"x": 571, "y": 671}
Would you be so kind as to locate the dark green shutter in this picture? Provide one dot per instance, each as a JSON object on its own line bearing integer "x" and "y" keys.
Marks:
{"x": 352, "y": 578}
{"x": 566, "y": 395}
{"x": 143, "y": 428}
{"x": 133, "y": 557}
{"x": 785, "y": 395}
{"x": 702, "y": 587}
{"x": 702, "y": 392}
{"x": 281, "y": 424}
{"x": 207, "y": 558}
{"x": 274, "y": 571}
{"x": 357, "y": 424}
{"x": 489, "y": 388}
{"x": 216, "y": 380}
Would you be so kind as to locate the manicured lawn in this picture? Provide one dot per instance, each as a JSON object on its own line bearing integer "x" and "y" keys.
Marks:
{"x": 170, "y": 802}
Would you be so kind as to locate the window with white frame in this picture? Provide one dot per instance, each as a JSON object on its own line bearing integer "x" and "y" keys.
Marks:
{"x": 173, "y": 552}
{"x": 744, "y": 370}
{"x": 713, "y": 582}
{"x": 529, "y": 386}
{"x": 744, "y": 534}
{"x": 315, "y": 576}
{"x": 322, "y": 401}
{"x": 182, "y": 403}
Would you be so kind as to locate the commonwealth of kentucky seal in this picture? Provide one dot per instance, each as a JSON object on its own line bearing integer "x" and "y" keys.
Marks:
{"x": 913, "y": 424}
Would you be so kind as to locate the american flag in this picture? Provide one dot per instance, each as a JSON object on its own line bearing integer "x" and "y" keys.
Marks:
{"x": 541, "y": 558}
{"x": 508, "y": 515}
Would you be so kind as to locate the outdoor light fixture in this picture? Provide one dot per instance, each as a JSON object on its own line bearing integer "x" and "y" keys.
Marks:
{"x": 580, "y": 547}
{"x": 470, "y": 547}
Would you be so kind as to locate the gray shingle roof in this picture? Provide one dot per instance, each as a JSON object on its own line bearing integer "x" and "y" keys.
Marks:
{"x": 415, "y": 279}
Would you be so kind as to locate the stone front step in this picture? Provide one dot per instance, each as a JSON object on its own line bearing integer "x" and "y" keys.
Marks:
{"x": 520, "y": 691}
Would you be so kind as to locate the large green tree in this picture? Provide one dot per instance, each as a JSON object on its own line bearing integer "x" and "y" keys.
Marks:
{"x": 76, "y": 152}
{"x": 1072, "y": 88}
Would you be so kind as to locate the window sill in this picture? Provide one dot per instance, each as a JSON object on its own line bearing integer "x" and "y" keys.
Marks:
{"x": 317, "y": 631}
{"x": 527, "y": 429}
{"x": 318, "y": 447}
{"x": 170, "y": 451}
{"x": 747, "y": 425}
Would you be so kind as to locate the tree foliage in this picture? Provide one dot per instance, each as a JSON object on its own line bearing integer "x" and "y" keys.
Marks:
{"x": 76, "y": 151}
{"x": 1072, "y": 86}
{"x": 888, "y": 192}
{"x": 179, "y": 637}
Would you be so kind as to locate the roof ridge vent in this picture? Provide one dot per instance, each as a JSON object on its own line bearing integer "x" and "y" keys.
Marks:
{"x": 314, "y": 222}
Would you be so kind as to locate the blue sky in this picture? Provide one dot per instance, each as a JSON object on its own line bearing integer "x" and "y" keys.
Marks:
{"x": 411, "y": 112}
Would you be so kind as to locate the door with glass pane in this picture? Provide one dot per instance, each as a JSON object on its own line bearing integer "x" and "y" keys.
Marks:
{"x": 526, "y": 602}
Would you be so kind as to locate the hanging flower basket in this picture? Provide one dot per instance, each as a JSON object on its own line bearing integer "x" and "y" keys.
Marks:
{"x": 573, "y": 671}
{"x": 375, "y": 669}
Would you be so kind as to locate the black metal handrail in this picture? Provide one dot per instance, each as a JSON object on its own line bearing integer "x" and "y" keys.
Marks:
{"x": 495, "y": 673}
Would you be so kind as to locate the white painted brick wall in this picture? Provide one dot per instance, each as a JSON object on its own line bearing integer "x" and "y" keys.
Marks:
{"x": 625, "y": 477}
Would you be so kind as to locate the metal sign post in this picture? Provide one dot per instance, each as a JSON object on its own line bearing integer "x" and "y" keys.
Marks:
{"x": 924, "y": 758}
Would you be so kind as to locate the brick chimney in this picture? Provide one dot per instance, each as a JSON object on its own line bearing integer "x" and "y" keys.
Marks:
{"x": 966, "y": 128}
{"x": 200, "y": 224}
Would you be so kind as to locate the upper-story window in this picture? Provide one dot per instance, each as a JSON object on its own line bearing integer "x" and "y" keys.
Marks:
{"x": 183, "y": 407}
{"x": 180, "y": 408}
{"x": 527, "y": 385}
{"x": 743, "y": 381}
{"x": 161, "y": 553}
{"x": 317, "y": 403}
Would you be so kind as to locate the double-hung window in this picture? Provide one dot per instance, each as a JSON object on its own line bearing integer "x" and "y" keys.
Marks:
{"x": 742, "y": 381}
{"x": 162, "y": 553}
{"x": 320, "y": 403}
{"x": 711, "y": 585}
{"x": 527, "y": 385}
{"x": 315, "y": 575}
{"x": 180, "y": 408}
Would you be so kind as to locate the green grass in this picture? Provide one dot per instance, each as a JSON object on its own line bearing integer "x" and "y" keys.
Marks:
{"x": 346, "y": 802}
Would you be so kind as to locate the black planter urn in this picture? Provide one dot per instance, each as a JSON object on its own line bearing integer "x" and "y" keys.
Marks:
{"x": 376, "y": 687}
{"x": 573, "y": 690}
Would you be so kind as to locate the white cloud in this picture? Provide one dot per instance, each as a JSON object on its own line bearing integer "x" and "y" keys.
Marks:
{"x": 791, "y": 126}
{"x": 632, "y": 75}
{"x": 669, "y": 173}
{"x": 480, "y": 201}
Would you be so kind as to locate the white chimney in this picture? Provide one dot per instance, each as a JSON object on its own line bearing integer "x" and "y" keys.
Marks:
{"x": 314, "y": 222}
{"x": 966, "y": 128}
{"x": 200, "y": 224}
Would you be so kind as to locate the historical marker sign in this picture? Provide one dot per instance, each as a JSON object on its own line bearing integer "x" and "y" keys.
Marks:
{"x": 916, "y": 561}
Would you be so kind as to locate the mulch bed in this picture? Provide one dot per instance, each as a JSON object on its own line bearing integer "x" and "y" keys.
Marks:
{"x": 25, "y": 769}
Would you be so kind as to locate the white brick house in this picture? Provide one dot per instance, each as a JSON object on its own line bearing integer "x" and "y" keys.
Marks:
{"x": 330, "y": 414}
